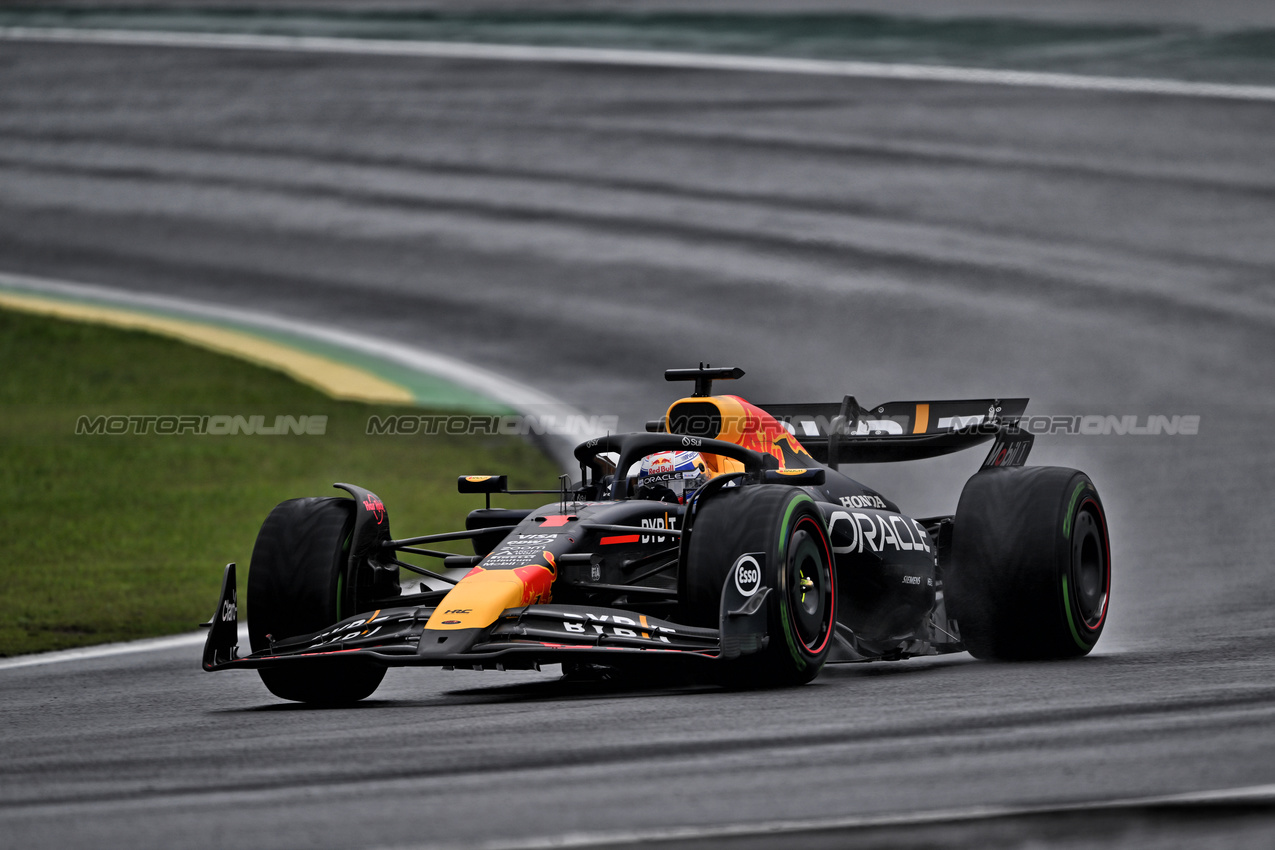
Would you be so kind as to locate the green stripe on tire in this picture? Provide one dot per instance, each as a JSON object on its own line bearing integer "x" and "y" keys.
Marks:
{"x": 1071, "y": 507}
{"x": 783, "y": 527}
{"x": 1071, "y": 623}
{"x": 783, "y": 596}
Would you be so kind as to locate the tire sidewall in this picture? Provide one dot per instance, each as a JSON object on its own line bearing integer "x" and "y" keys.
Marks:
{"x": 1013, "y": 578}
{"x": 761, "y": 518}
{"x": 801, "y": 513}
{"x": 1080, "y": 499}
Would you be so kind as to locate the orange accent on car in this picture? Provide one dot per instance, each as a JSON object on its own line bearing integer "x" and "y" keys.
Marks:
{"x": 482, "y": 595}
{"x": 747, "y": 425}
{"x": 922, "y": 419}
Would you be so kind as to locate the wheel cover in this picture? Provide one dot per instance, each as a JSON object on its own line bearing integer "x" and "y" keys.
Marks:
{"x": 809, "y": 586}
{"x": 1090, "y": 565}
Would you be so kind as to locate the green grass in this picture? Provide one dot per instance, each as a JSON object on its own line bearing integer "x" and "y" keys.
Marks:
{"x": 106, "y": 538}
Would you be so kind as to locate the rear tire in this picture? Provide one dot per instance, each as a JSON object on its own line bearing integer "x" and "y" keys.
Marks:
{"x": 784, "y": 523}
{"x": 1030, "y": 575}
{"x": 297, "y": 584}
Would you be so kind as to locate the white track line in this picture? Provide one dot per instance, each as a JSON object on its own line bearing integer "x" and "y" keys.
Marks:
{"x": 111, "y": 650}
{"x": 646, "y": 59}
{"x": 1255, "y": 794}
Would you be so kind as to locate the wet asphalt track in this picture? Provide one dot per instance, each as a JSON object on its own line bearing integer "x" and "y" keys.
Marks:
{"x": 583, "y": 229}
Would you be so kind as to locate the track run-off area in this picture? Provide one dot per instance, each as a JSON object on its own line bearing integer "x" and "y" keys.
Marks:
{"x": 576, "y": 225}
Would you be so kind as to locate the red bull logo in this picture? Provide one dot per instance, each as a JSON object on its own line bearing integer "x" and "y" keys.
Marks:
{"x": 537, "y": 583}
{"x": 376, "y": 507}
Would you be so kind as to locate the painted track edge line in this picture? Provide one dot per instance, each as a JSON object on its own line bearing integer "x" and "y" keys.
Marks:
{"x": 1250, "y": 795}
{"x": 648, "y": 58}
{"x": 112, "y": 650}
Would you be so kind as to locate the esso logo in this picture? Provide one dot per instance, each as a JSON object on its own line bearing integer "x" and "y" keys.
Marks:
{"x": 691, "y": 442}
{"x": 747, "y": 575}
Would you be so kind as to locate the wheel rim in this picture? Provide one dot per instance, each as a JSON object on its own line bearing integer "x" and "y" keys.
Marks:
{"x": 1090, "y": 566}
{"x": 810, "y": 585}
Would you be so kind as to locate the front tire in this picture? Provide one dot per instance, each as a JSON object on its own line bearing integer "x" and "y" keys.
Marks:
{"x": 298, "y": 584}
{"x": 784, "y": 523}
{"x": 1030, "y": 577}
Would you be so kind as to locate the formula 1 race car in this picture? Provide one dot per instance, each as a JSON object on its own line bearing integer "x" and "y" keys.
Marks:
{"x": 724, "y": 540}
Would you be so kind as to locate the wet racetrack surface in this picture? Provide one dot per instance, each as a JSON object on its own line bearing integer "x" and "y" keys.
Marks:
{"x": 582, "y": 229}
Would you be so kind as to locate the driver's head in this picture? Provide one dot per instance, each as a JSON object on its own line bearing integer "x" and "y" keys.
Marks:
{"x": 670, "y": 476}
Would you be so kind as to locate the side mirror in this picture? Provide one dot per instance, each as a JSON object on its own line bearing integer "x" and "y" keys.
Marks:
{"x": 812, "y": 477}
{"x": 482, "y": 484}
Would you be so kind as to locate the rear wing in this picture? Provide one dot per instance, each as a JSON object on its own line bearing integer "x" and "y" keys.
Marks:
{"x": 845, "y": 432}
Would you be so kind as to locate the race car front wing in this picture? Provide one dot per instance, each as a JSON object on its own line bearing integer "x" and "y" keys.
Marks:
{"x": 520, "y": 638}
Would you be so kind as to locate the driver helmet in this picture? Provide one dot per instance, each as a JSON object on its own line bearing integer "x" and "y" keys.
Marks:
{"x": 671, "y": 476}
